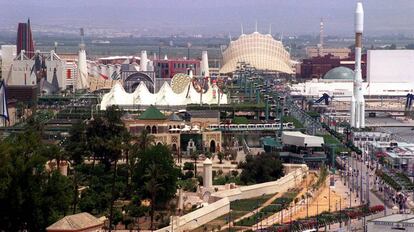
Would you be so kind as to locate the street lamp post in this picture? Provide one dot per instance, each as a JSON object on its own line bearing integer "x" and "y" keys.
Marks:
{"x": 361, "y": 194}
{"x": 340, "y": 212}
{"x": 317, "y": 215}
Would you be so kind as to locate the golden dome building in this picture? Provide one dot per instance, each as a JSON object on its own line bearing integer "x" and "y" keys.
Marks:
{"x": 261, "y": 51}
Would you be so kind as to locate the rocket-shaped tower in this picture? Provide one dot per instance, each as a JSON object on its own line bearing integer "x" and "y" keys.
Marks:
{"x": 358, "y": 101}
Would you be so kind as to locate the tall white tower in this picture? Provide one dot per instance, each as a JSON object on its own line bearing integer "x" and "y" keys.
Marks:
{"x": 204, "y": 64}
{"x": 82, "y": 80}
{"x": 320, "y": 45}
{"x": 358, "y": 101}
{"x": 144, "y": 61}
{"x": 207, "y": 173}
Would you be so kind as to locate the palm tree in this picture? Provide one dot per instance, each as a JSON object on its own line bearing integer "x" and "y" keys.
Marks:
{"x": 153, "y": 186}
{"x": 194, "y": 156}
{"x": 117, "y": 146}
{"x": 145, "y": 140}
{"x": 53, "y": 152}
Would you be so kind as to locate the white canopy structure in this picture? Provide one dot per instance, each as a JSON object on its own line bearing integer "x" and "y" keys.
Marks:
{"x": 299, "y": 139}
{"x": 165, "y": 96}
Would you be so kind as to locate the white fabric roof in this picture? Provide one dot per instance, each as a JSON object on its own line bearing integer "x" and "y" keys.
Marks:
{"x": 165, "y": 96}
{"x": 299, "y": 139}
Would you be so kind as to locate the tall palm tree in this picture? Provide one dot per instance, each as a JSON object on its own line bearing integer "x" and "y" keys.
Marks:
{"x": 194, "y": 156}
{"x": 153, "y": 186}
{"x": 116, "y": 145}
{"x": 145, "y": 140}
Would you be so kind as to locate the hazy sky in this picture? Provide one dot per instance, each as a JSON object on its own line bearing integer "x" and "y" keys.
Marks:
{"x": 215, "y": 16}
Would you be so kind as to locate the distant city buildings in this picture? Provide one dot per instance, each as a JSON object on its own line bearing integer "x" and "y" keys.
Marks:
{"x": 168, "y": 68}
{"x": 341, "y": 53}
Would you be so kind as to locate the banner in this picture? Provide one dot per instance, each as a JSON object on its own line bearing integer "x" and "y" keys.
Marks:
{"x": 3, "y": 101}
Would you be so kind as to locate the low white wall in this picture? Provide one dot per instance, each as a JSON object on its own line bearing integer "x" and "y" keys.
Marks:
{"x": 281, "y": 185}
{"x": 221, "y": 207}
{"x": 199, "y": 217}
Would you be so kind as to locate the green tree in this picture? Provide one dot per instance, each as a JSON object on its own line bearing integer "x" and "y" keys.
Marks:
{"x": 220, "y": 156}
{"x": 31, "y": 198}
{"x": 155, "y": 177}
{"x": 76, "y": 150}
{"x": 106, "y": 139}
{"x": 153, "y": 185}
{"x": 145, "y": 140}
{"x": 194, "y": 155}
{"x": 261, "y": 168}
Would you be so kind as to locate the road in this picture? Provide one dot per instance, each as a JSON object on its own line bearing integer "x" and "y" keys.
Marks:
{"x": 354, "y": 168}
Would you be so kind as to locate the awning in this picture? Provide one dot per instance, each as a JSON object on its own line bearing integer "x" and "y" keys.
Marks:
{"x": 299, "y": 139}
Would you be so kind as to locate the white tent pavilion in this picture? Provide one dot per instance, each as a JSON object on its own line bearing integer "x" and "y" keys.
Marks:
{"x": 165, "y": 96}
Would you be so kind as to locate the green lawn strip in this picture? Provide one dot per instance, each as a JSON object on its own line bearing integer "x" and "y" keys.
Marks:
{"x": 406, "y": 181}
{"x": 389, "y": 180}
{"x": 293, "y": 120}
{"x": 269, "y": 210}
{"x": 249, "y": 204}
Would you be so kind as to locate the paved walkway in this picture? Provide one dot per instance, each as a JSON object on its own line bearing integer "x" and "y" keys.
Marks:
{"x": 336, "y": 199}
{"x": 276, "y": 218}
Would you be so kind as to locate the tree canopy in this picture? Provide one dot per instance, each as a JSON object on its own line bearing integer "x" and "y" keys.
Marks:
{"x": 31, "y": 198}
{"x": 155, "y": 176}
{"x": 261, "y": 168}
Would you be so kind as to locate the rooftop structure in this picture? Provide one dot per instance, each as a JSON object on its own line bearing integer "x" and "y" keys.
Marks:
{"x": 165, "y": 96}
{"x": 167, "y": 68}
{"x": 182, "y": 135}
{"x": 394, "y": 222}
{"x": 342, "y": 88}
{"x": 299, "y": 139}
{"x": 318, "y": 66}
{"x": 81, "y": 222}
{"x": 340, "y": 73}
{"x": 152, "y": 113}
{"x": 261, "y": 51}
{"x": 399, "y": 155}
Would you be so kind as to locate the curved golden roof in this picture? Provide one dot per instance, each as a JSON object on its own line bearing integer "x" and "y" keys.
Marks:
{"x": 261, "y": 51}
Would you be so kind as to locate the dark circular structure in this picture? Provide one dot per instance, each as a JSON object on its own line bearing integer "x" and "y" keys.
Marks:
{"x": 133, "y": 80}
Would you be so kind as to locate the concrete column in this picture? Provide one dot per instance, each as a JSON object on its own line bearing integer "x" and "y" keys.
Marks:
{"x": 207, "y": 173}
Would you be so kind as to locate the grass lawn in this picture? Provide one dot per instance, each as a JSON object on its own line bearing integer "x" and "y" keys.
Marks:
{"x": 249, "y": 204}
{"x": 292, "y": 119}
{"x": 331, "y": 140}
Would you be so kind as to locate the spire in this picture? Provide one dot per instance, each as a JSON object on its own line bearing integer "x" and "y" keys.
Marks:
{"x": 321, "y": 33}
{"x": 82, "y": 34}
